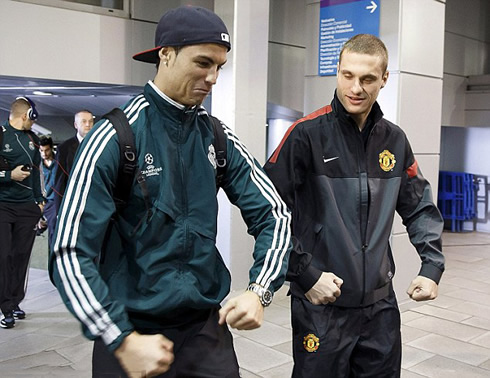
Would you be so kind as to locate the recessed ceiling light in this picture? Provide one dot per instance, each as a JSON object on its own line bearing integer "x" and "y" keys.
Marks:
{"x": 41, "y": 93}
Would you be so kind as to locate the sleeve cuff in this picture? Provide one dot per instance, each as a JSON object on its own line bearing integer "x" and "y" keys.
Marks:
{"x": 432, "y": 272}
{"x": 118, "y": 341}
{"x": 309, "y": 277}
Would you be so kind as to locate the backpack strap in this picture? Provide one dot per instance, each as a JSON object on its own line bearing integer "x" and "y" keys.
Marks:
{"x": 128, "y": 163}
{"x": 220, "y": 146}
{"x": 128, "y": 170}
{"x": 128, "y": 166}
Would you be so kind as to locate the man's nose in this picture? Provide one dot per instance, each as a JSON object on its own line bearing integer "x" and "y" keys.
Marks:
{"x": 356, "y": 86}
{"x": 212, "y": 76}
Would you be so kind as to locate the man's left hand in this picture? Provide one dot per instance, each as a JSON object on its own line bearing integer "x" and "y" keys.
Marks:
{"x": 422, "y": 289}
{"x": 242, "y": 312}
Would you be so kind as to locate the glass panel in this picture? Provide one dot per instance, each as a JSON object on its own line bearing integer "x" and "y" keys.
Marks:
{"x": 113, "y": 4}
{"x": 118, "y": 8}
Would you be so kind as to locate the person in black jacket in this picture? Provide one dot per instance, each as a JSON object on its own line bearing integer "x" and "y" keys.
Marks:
{"x": 21, "y": 205}
{"x": 343, "y": 171}
{"x": 65, "y": 155}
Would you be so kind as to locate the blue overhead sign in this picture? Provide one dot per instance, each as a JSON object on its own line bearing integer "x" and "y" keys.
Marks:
{"x": 339, "y": 21}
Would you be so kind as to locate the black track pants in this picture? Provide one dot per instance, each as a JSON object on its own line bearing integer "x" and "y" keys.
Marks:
{"x": 340, "y": 342}
{"x": 17, "y": 233}
{"x": 202, "y": 349}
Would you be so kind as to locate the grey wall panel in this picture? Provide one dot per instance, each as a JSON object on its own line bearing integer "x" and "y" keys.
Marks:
{"x": 468, "y": 18}
{"x": 466, "y": 53}
{"x": 318, "y": 92}
{"x": 286, "y": 76}
{"x": 311, "y": 39}
{"x": 453, "y": 100}
{"x": 287, "y": 22}
{"x": 142, "y": 38}
{"x": 152, "y": 10}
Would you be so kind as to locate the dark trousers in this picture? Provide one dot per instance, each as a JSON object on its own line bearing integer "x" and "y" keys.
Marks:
{"x": 17, "y": 233}
{"x": 202, "y": 349}
{"x": 340, "y": 342}
{"x": 50, "y": 215}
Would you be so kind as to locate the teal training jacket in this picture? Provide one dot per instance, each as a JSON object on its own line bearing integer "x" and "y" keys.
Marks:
{"x": 159, "y": 266}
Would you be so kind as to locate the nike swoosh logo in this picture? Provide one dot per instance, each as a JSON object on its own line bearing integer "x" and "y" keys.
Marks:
{"x": 329, "y": 159}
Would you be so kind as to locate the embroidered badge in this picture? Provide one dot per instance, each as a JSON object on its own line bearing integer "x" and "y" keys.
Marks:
{"x": 31, "y": 145}
{"x": 151, "y": 170}
{"x": 387, "y": 161}
{"x": 311, "y": 342}
{"x": 212, "y": 156}
{"x": 149, "y": 159}
{"x": 7, "y": 148}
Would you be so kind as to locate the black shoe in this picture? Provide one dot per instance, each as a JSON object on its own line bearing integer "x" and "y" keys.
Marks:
{"x": 18, "y": 313}
{"x": 8, "y": 320}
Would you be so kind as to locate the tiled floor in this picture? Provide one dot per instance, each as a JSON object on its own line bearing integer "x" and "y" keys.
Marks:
{"x": 448, "y": 337}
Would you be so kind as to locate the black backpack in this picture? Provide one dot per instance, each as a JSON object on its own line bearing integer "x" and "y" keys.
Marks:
{"x": 128, "y": 166}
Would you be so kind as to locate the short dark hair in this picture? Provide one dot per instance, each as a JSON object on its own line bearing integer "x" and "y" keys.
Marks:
{"x": 46, "y": 141}
{"x": 367, "y": 44}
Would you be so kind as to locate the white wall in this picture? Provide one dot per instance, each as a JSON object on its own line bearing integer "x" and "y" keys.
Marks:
{"x": 53, "y": 43}
{"x": 240, "y": 100}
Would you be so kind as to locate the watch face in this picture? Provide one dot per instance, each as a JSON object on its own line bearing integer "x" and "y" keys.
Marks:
{"x": 267, "y": 297}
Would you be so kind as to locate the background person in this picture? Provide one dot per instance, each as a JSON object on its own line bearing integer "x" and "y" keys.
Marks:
{"x": 344, "y": 170}
{"x": 153, "y": 304}
{"x": 21, "y": 205}
{"x": 65, "y": 155}
{"x": 49, "y": 167}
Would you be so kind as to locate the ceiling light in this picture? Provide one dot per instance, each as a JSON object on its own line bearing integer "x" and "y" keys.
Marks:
{"x": 41, "y": 93}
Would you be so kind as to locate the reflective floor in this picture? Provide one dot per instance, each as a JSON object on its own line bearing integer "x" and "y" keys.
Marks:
{"x": 448, "y": 337}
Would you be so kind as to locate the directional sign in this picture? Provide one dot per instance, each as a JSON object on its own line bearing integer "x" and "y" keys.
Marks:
{"x": 339, "y": 21}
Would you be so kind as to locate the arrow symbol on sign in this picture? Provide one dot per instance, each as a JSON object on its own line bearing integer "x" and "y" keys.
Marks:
{"x": 373, "y": 6}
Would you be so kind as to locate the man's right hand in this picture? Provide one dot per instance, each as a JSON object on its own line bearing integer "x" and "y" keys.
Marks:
{"x": 18, "y": 174}
{"x": 145, "y": 355}
{"x": 325, "y": 290}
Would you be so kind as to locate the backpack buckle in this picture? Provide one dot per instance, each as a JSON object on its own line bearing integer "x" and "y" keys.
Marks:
{"x": 129, "y": 154}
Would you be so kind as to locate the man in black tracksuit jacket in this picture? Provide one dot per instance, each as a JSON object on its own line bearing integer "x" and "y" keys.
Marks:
{"x": 344, "y": 171}
{"x": 21, "y": 205}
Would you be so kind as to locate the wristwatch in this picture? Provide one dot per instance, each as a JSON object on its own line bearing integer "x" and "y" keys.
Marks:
{"x": 265, "y": 295}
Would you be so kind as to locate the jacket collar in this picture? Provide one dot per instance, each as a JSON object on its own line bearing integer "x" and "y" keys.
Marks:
{"x": 374, "y": 116}
{"x": 167, "y": 106}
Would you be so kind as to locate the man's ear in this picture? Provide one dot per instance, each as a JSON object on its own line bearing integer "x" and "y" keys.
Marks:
{"x": 385, "y": 79}
{"x": 163, "y": 54}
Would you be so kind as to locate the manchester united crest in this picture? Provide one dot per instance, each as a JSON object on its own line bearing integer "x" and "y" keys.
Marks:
{"x": 311, "y": 342}
{"x": 387, "y": 161}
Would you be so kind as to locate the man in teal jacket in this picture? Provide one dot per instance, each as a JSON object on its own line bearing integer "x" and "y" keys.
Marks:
{"x": 21, "y": 204}
{"x": 156, "y": 293}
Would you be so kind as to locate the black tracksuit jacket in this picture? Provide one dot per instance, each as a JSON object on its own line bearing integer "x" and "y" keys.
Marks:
{"x": 343, "y": 187}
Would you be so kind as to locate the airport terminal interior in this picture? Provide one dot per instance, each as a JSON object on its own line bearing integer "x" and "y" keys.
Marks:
{"x": 69, "y": 55}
